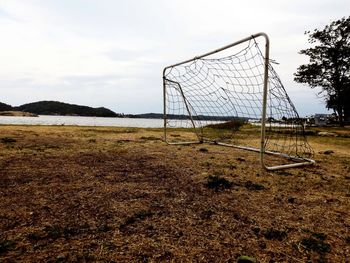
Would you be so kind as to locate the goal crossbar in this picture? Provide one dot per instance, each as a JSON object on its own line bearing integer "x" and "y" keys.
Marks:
{"x": 298, "y": 161}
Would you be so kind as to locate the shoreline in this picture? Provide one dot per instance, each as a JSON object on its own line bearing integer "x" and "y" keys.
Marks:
{"x": 17, "y": 114}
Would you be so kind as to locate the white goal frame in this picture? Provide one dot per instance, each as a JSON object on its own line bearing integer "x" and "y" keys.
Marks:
{"x": 299, "y": 161}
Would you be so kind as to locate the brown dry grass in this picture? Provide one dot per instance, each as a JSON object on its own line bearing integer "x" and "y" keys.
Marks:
{"x": 86, "y": 194}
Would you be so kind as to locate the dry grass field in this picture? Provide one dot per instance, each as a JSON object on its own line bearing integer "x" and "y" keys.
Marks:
{"x": 88, "y": 194}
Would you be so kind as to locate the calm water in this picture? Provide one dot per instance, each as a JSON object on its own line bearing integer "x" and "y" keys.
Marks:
{"x": 82, "y": 121}
{"x": 99, "y": 121}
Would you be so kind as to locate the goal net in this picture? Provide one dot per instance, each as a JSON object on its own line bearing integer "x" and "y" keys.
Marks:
{"x": 233, "y": 97}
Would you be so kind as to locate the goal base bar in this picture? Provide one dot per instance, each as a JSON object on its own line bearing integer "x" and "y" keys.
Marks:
{"x": 302, "y": 161}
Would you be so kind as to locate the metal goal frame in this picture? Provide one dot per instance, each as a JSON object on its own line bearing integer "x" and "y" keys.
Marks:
{"x": 262, "y": 151}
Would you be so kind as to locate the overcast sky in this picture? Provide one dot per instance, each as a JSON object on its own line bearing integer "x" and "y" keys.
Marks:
{"x": 111, "y": 53}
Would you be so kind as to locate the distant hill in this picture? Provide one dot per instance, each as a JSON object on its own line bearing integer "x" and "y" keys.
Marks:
{"x": 60, "y": 108}
{"x": 146, "y": 115}
{"x": 5, "y": 107}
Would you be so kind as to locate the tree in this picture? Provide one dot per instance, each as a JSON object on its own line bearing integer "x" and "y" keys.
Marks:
{"x": 329, "y": 66}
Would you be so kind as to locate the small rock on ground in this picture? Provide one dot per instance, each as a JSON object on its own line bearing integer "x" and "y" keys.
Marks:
{"x": 327, "y": 152}
{"x": 246, "y": 259}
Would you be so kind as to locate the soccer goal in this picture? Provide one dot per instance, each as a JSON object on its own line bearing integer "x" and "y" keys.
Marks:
{"x": 233, "y": 97}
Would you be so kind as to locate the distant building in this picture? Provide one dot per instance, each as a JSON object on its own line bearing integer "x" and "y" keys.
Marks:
{"x": 321, "y": 119}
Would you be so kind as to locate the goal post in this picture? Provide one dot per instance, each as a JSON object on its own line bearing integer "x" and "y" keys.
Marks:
{"x": 233, "y": 97}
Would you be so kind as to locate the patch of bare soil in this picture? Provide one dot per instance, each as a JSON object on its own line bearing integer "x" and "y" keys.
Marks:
{"x": 119, "y": 195}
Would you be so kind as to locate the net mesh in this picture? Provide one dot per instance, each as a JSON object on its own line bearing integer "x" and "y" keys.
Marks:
{"x": 221, "y": 98}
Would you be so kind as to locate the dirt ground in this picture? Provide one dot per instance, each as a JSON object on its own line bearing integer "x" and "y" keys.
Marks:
{"x": 88, "y": 194}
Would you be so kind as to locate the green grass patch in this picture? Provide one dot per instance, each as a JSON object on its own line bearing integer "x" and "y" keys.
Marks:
{"x": 203, "y": 150}
{"x": 217, "y": 183}
{"x": 8, "y": 140}
{"x": 7, "y": 245}
{"x": 336, "y": 141}
{"x": 253, "y": 186}
{"x": 316, "y": 243}
{"x": 228, "y": 125}
{"x": 273, "y": 234}
{"x": 150, "y": 138}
